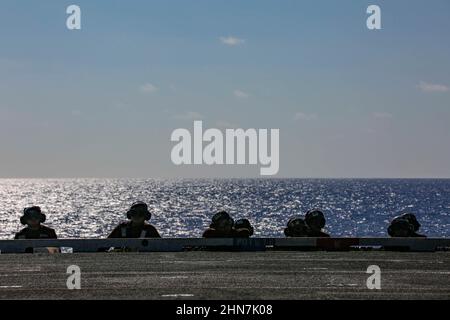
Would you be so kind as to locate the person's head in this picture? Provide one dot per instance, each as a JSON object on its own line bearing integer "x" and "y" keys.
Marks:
{"x": 222, "y": 221}
{"x": 297, "y": 227}
{"x": 412, "y": 220}
{"x": 139, "y": 213}
{"x": 244, "y": 224}
{"x": 32, "y": 217}
{"x": 400, "y": 227}
{"x": 315, "y": 219}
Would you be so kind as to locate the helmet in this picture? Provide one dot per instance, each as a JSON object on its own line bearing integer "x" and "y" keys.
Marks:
{"x": 412, "y": 220}
{"x": 139, "y": 207}
{"x": 296, "y": 227}
{"x": 315, "y": 218}
{"x": 400, "y": 227}
{"x": 34, "y": 211}
{"x": 221, "y": 216}
{"x": 243, "y": 224}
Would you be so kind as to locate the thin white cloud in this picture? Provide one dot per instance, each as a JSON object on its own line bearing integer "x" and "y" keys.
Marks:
{"x": 231, "y": 41}
{"x": 148, "y": 88}
{"x": 382, "y": 115}
{"x": 432, "y": 87}
{"x": 300, "y": 116}
{"x": 240, "y": 94}
{"x": 190, "y": 115}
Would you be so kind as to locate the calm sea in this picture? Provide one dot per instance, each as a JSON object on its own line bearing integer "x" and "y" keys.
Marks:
{"x": 90, "y": 208}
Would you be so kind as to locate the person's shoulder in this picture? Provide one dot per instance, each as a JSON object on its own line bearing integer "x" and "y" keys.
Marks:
{"x": 47, "y": 229}
{"x": 21, "y": 233}
{"x": 213, "y": 233}
{"x": 151, "y": 231}
{"x": 122, "y": 224}
{"x": 324, "y": 235}
{"x": 210, "y": 233}
{"x": 23, "y": 230}
{"x": 149, "y": 226}
{"x": 416, "y": 235}
{"x": 318, "y": 234}
{"x": 117, "y": 231}
{"x": 242, "y": 233}
{"x": 287, "y": 232}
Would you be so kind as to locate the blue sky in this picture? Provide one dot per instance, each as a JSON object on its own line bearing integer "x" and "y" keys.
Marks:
{"x": 103, "y": 101}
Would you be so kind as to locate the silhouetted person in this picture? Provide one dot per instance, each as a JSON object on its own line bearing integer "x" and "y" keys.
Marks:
{"x": 243, "y": 228}
{"x": 136, "y": 227}
{"x": 315, "y": 220}
{"x": 404, "y": 226}
{"x": 221, "y": 226}
{"x": 33, "y": 218}
{"x": 296, "y": 227}
{"x": 415, "y": 224}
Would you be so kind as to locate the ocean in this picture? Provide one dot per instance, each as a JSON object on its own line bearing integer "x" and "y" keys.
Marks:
{"x": 90, "y": 208}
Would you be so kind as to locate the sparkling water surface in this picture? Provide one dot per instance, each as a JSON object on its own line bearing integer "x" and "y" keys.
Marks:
{"x": 90, "y": 208}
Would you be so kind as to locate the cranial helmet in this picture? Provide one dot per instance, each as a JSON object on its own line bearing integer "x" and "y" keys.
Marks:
{"x": 296, "y": 227}
{"x": 412, "y": 220}
{"x": 30, "y": 212}
{"x": 243, "y": 224}
{"x": 315, "y": 218}
{"x": 221, "y": 216}
{"x": 400, "y": 227}
{"x": 139, "y": 207}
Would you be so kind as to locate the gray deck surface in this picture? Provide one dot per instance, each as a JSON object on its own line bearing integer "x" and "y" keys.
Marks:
{"x": 227, "y": 275}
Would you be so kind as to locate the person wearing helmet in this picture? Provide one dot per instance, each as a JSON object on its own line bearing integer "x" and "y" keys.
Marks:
{"x": 400, "y": 228}
{"x": 33, "y": 218}
{"x": 404, "y": 226}
{"x": 315, "y": 220}
{"x": 414, "y": 223}
{"x": 296, "y": 227}
{"x": 221, "y": 226}
{"x": 137, "y": 226}
{"x": 243, "y": 228}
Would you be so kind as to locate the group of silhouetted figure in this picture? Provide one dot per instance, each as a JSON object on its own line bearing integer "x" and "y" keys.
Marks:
{"x": 222, "y": 225}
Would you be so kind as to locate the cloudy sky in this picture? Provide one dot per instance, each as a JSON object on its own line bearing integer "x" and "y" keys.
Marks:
{"x": 103, "y": 101}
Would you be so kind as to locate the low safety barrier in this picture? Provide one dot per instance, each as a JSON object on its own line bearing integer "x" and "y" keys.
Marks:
{"x": 223, "y": 244}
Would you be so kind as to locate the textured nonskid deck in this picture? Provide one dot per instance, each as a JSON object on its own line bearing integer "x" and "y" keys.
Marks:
{"x": 226, "y": 275}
